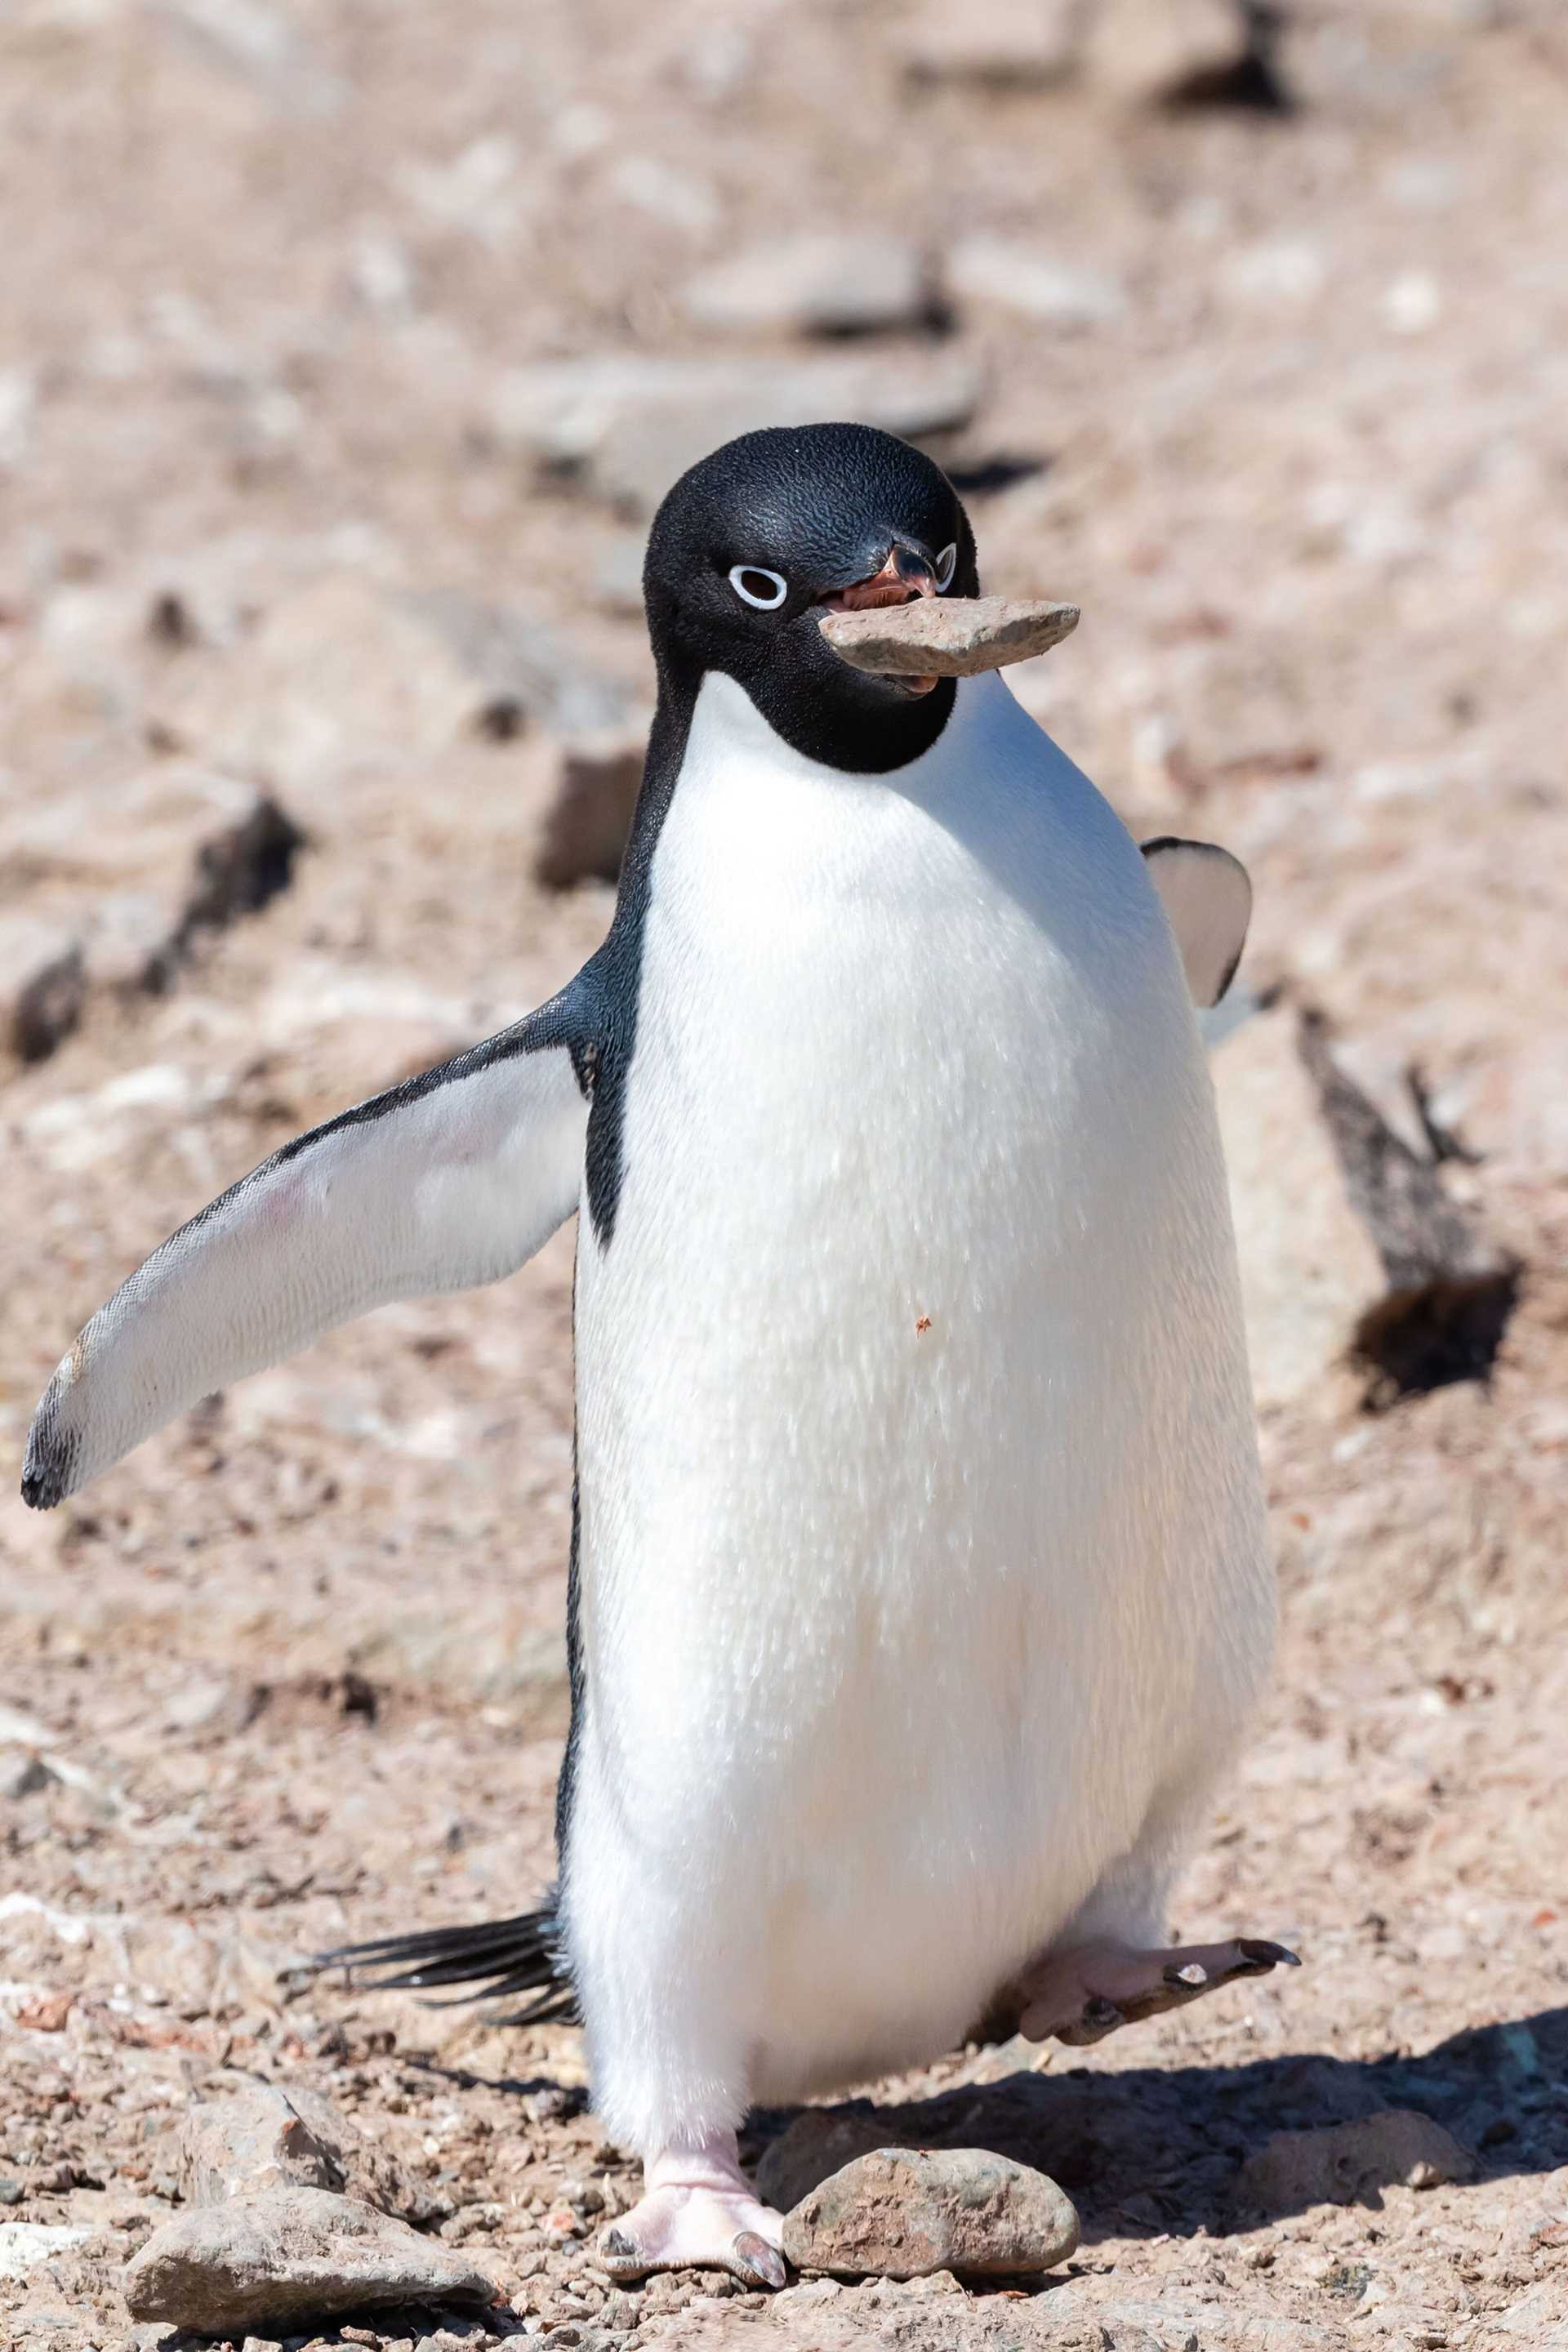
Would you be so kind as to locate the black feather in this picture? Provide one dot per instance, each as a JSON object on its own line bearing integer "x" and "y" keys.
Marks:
{"x": 499, "y": 1956}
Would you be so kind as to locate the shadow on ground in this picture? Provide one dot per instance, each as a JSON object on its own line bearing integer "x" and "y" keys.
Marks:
{"x": 1154, "y": 2150}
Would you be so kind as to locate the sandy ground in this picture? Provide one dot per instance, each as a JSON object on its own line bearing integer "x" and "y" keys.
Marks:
{"x": 294, "y": 1671}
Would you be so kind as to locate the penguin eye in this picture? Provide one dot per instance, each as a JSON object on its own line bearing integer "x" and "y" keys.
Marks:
{"x": 755, "y": 584}
{"x": 946, "y": 565}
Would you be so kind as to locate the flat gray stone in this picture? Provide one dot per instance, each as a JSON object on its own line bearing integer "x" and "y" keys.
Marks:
{"x": 624, "y": 428}
{"x": 1031, "y": 280}
{"x": 1018, "y": 45}
{"x": 905, "y": 2214}
{"x": 949, "y": 636}
{"x": 291, "y": 2253}
{"x": 829, "y": 282}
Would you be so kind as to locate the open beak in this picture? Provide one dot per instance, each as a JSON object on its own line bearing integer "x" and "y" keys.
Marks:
{"x": 905, "y": 576}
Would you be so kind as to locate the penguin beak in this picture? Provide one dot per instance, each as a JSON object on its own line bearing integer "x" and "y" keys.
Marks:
{"x": 905, "y": 576}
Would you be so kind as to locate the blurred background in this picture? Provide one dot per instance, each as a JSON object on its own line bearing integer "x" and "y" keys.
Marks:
{"x": 345, "y": 350}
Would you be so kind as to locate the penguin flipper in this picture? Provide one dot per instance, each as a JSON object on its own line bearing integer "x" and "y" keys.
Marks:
{"x": 452, "y": 1179}
{"x": 1207, "y": 899}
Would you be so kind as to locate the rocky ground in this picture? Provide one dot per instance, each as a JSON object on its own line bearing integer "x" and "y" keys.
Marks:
{"x": 341, "y": 352}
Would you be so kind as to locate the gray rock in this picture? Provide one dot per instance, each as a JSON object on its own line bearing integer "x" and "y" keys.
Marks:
{"x": 1309, "y": 1268}
{"x": 1031, "y": 280}
{"x": 832, "y": 282}
{"x": 624, "y": 428}
{"x": 949, "y": 636}
{"x": 1007, "y": 44}
{"x": 590, "y": 811}
{"x": 281, "y": 2254}
{"x": 24, "y": 1773}
{"x": 1347, "y": 2164}
{"x": 268, "y": 2138}
{"x": 904, "y": 2213}
{"x": 1141, "y": 49}
{"x": 43, "y": 982}
{"x": 229, "y": 2147}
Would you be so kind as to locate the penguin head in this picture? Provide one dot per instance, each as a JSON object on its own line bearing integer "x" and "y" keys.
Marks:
{"x": 755, "y": 543}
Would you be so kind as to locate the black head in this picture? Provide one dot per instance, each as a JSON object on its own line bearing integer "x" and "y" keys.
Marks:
{"x": 755, "y": 544}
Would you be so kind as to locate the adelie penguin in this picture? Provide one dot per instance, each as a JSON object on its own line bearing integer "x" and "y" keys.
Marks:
{"x": 919, "y": 1590}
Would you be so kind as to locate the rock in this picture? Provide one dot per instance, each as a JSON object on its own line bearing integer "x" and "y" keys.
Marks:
{"x": 1447, "y": 1291}
{"x": 1030, "y": 280}
{"x": 153, "y": 865}
{"x": 279, "y": 2254}
{"x": 229, "y": 2147}
{"x": 584, "y": 832}
{"x": 270, "y": 2138}
{"x": 22, "y": 1773}
{"x": 24, "y": 2246}
{"x": 43, "y": 982}
{"x": 626, "y": 428}
{"x": 830, "y": 282}
{"x": 949, "y": 636}
{"x": 1347, "y": 2164}
{"x": 1008, "y": 45}
{"x": 1159, "y": 48}
{"x": 1309, "y": 1268}
{"x": 905, "y": 2214}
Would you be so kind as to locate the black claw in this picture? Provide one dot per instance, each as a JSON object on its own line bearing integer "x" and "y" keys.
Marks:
{"x": 755, "y": 2260}
{"x": 1102, "y": 2014}
{"x": 615, "y": 2247}
{"x": 1265, "y": 1956}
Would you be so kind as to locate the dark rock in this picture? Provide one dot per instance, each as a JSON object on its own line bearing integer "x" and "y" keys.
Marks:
{"x": 590, "y": 810}
{"x": 904, "y": 2213}
{"x": 290, "y": 2253}
{"x": 43, "y": 982}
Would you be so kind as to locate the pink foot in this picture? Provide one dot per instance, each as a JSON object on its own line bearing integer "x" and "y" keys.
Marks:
{"x": 1082, "y": 1995}
{"x": 696, "y": 2212}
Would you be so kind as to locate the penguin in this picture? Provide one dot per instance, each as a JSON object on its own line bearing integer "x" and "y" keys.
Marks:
{"x": 919, "y": 1592}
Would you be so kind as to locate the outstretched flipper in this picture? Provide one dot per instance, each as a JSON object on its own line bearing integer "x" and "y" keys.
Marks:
{"x": 1207, "y": 899}
{"x": 451, "y": 1179}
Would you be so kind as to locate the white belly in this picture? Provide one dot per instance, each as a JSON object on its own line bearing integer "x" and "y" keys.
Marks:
{"x": 921, "y": 1540}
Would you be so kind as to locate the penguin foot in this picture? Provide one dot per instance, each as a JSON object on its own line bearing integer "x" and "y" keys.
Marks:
{"x": 696, "y": 2213}
{"x": 1080, "y": 1996}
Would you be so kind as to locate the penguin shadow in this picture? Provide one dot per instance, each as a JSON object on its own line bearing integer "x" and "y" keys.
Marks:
{"x": 1153, "y": 2150}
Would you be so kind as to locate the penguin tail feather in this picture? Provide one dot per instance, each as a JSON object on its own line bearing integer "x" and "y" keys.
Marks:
{"x": 499, "y": 1956}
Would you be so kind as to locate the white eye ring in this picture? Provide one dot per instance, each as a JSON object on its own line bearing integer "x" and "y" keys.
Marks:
{"x": 741, "y": 572}
{"x": 946, "y": 565}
